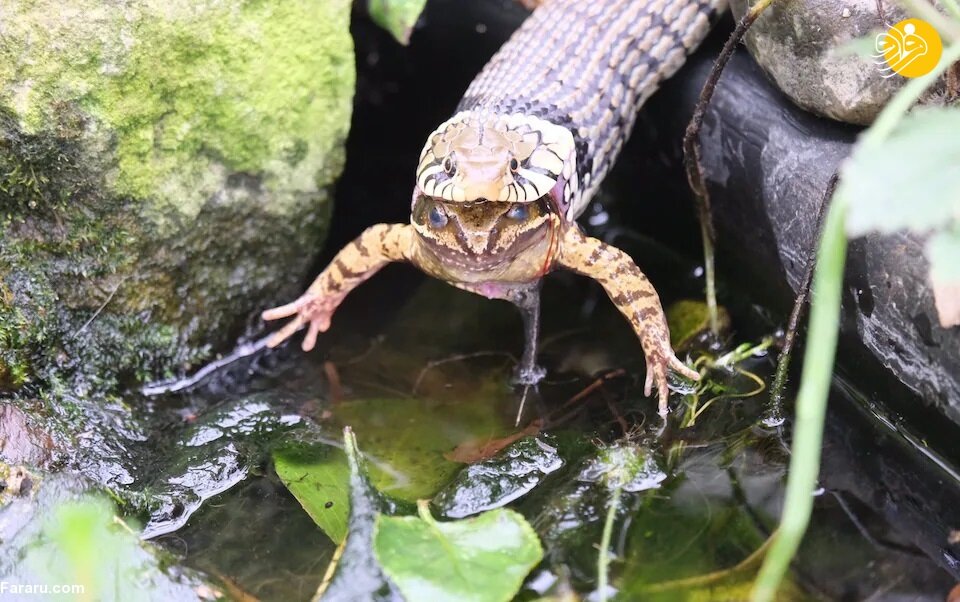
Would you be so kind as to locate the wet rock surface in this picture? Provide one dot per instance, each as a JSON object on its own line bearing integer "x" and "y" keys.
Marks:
{"x": 164, "y": 168}
{"x": 22, "y": 439}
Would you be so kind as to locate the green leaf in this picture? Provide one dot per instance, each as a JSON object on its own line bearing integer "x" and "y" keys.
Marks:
{"x": 358, "y": 575}
{"x": 84, "y": 544}
{"x": 397, "y": 16}
{"x": 406, "y": 439}
{"x": 483, "y": 559}
{"x": 319, "y": 477}
{"x": 910, "y": 180}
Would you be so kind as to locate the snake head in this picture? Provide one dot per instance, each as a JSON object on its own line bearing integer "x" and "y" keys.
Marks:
{"x": 508, "y": 158}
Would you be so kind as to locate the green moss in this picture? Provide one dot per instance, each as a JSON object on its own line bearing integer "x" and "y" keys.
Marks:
{"x": 158, "y": 161}
{"x": 181, "y": 88}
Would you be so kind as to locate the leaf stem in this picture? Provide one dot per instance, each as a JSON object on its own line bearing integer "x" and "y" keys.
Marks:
{"x": 811, "y": 404}
{"x": 423, "y": 509}
{"x": 603, "y": 559}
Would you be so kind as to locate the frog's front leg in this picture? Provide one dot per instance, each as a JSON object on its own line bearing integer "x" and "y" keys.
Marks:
{"x": 633, "y": 295}
{"x": 526, "y": 297}
{"x": 374, "y": 248}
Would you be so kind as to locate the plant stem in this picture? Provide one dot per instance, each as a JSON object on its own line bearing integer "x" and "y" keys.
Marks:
{"x": 603, "y": 559}
{"x": 946, "y": 26}
{"x": 773, "y": 416}
{"x": 692, "y": 155}
{"x": 821, "y": 350}
{"x": 811, "y": 404}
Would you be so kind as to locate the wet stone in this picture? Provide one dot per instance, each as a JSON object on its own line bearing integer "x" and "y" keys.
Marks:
{"x": 22, "y": 441}
{"x": 500, "y": 480}
{"x": 804, "y": 46}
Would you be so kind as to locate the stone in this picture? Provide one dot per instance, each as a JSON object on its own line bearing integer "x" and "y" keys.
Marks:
{"x": 808, "y": 49}
{"x": 165, "y": 173}
{"x": 22, "y": 439}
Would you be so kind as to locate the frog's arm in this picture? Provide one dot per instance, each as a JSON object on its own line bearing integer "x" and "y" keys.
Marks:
{"x": 359, "y": 260}
{"x": 633, "y": 295}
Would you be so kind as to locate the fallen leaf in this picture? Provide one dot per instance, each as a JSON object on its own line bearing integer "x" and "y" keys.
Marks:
{"x": 476, "y": 450}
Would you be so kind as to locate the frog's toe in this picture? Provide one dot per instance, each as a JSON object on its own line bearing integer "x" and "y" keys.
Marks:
{"x": 681, "y": 368}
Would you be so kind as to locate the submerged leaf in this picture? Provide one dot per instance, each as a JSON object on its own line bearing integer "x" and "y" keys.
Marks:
{"x": 404, "y": 440}
{"x": 320, "y": 480}
{"x": 688, "y": 319}
{"x": 397, "y": 16}
{"x": 482, "y": 559}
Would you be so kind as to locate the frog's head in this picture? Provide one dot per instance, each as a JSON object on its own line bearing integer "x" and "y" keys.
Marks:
{"x": 490, "y": 188}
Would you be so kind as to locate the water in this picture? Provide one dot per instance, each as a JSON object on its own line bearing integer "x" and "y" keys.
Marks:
{"x": 430, "y": 392}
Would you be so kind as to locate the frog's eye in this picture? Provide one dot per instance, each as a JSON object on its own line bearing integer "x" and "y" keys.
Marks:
{"x": 519, "y": 212}
{"x": 450, "y": 165}
{"x": 436, "y": 216}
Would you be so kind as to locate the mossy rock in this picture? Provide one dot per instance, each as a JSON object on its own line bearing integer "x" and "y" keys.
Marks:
{"x": 165, "y": 173}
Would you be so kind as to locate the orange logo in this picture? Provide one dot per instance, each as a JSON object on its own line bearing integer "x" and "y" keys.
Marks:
{"x": 910, "y": 48}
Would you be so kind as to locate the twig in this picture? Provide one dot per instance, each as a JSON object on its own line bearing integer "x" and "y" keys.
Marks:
{"x": 101, "y": 308}
{"x": 599, "y": 382}
{"x": 692, "y": 157}
{"x": 331, "y": 568}
{"x": 774, "y": 413}
{"x": 592, "y": 387}
{"x": 624, "y": 427}
{"x": 333, "y": 377}
{"x": 455, "y": 358}
{"x": 586, "y": 391}
{"x": 163, "y": 387}
{"x": 882, "y": 13}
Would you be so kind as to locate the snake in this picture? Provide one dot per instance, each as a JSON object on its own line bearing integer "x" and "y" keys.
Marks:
{"x": 500, "y": 184}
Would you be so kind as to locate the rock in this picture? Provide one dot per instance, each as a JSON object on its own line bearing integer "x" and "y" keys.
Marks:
{"x": 22, "y": 440}
{"x": 16, "y": 480}
{"x": 804, "y": 47}
{"x": 767, "y": 165}
{"x": 164, "y": 172}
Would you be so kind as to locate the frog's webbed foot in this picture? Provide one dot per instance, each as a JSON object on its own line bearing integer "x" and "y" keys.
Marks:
{"x": 658, "y": 362}
{"x": 636, "y": 299}
{"x": 374, "y": 248}
{"x": 311, "y": 308}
